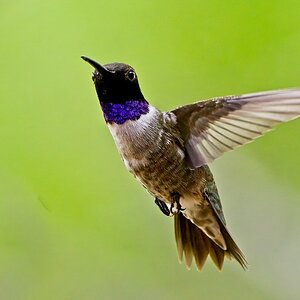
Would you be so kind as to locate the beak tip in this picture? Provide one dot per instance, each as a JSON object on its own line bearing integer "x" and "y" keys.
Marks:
{"x": 94, "y": 64}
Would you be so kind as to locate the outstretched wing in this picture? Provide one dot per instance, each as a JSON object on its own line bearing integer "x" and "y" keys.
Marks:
{"x": 212, "y": 127}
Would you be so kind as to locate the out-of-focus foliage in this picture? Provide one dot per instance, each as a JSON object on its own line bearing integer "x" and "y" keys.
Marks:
{"x": 73, "y": 223}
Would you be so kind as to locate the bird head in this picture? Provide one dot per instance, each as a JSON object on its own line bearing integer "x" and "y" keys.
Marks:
{"x": 115, "y": 82}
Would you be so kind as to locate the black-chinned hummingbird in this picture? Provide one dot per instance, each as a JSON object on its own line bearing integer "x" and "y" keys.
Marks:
{"x": 168, "y": 152}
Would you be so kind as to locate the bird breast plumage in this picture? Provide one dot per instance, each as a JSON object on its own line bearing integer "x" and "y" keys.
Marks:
{"x": 152, "y": 154}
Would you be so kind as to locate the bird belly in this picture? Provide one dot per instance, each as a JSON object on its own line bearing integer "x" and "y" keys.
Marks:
{"x": 163, "y": 170}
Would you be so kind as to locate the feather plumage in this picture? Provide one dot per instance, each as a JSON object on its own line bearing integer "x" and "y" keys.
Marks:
{"x": 213, "y": 127}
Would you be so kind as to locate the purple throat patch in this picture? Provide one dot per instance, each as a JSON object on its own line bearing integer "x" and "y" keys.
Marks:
{"x": 119, "y": 113}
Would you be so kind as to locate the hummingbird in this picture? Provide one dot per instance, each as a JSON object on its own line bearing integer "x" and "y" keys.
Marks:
{"x": 169, "y": 152}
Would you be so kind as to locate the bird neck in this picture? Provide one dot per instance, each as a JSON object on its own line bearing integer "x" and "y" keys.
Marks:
{"x": 119, "y": 113}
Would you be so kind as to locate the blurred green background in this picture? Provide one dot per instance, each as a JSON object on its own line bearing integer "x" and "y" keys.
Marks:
{"x": 73, "y": 223}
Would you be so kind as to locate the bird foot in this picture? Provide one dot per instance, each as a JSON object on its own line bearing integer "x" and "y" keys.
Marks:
{"x": 175, "y": 207}
{"x": 162, "y": 206}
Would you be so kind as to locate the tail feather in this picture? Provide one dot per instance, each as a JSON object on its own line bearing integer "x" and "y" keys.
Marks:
{"x": 199, "y": 243}
{"x": 216, "y": 253}
{"x": 232, "y": 248}
{"x": 184, "y": 245}
{"x": 193, "y": 242}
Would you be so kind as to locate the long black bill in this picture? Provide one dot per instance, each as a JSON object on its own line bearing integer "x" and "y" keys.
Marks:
{"x": 97, "y": 66}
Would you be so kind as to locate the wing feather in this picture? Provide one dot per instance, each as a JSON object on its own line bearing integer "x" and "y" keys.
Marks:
{"x": 212, "y": 127}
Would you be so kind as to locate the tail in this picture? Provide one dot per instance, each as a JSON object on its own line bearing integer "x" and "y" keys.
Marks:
{"x": 193, "y": 242}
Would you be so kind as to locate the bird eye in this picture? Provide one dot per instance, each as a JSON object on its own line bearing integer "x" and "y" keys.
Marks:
{"x": 131, "y": 75}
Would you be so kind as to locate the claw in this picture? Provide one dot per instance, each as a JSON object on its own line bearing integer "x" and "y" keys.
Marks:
{"x": 175, "y": 200}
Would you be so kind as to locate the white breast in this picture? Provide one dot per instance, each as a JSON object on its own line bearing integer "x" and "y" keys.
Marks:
{"x": 133, "y": 138}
